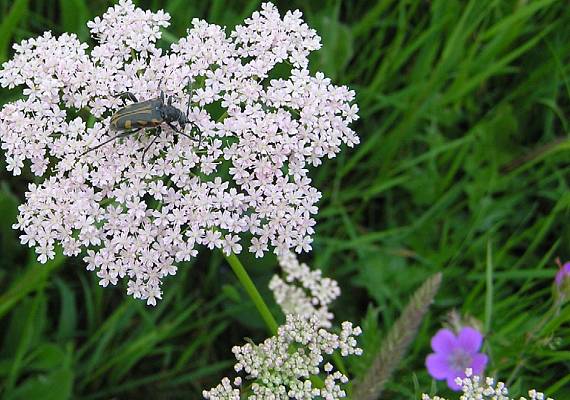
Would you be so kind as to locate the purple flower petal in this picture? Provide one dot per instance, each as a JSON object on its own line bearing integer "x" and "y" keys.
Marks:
{"x": 470, "y": 339}
{"x": 451, "y": 383}
{"x": 562, "y": 272}
{"x": 479, "y": 363}
{"x": 444, "y": 341}
{"x": 438, "y": 366}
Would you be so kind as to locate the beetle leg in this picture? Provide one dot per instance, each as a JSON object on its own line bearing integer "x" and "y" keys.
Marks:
{"x": 120, "y": 135}
{"x": 156, "y": 135}
{"x": 199, "y": 139}
{"x": 177, "y": 130}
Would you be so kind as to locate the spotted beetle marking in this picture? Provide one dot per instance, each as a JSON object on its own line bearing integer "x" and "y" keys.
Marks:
{"x": 146, "y": 114}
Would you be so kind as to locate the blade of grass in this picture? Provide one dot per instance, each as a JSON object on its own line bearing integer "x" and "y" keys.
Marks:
{"x": 8, "y": 26}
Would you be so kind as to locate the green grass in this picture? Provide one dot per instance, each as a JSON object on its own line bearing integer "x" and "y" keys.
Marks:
{"x": 464, "y": 168}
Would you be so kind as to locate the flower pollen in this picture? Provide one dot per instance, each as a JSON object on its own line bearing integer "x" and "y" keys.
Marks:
{"x": 460, "y": 360}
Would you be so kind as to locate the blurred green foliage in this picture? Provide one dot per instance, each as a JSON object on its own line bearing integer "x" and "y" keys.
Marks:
{"x": 463, "y": 168}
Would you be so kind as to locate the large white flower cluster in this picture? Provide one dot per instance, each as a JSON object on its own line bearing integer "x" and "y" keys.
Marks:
{"x": 282, "y": 366}
{"x": 475, "y": 388}
{"x": 241, "y": 174}
{"x": 303, "y": 291}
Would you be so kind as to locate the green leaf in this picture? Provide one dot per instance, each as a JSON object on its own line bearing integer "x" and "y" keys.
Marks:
{"x": 369, "y": 342}
{"x": 231, "y": 293}
{"x": 338, "y": 48}
{"x": 74, "y": 17}
{"x": 68, "y": 311}
{"x": 9, "y": 24}
{"x": 34, "y": 278}
{"x": 47, "y": 356}
{"x": 8, "y": 236}
{"x": 56, "y": 385}
{"x": 25, "y": 329}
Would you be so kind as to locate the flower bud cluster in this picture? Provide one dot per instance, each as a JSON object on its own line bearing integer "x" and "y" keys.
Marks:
{"x": 303, "y": 291}
{"x": 224, "y": 391}
{"x": 282, "y": 366}
{"x": 475, "y": 389}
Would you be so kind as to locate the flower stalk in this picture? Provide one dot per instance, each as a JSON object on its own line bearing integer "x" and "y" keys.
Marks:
{"x": 252, "y": 291}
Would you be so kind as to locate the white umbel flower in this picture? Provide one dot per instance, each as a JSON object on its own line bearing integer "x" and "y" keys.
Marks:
{"x": 282, "y": 366}
{"x": 474, "y": 388}
{"x": 303, "y": 291}
{"x": 241, "y": 167}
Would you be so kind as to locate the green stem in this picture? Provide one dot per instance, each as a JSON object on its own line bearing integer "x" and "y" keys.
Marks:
{"x": 253, "y": 293}
{"x": 530, "y": 336}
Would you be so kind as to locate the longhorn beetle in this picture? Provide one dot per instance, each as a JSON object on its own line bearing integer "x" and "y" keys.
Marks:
{"x": 146, "y": 114}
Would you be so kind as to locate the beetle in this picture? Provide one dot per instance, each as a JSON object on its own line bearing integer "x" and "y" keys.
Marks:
{"x": 146, "y": 114}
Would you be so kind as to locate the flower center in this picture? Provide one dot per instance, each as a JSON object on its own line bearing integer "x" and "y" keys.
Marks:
{"x": 460, "y": 360}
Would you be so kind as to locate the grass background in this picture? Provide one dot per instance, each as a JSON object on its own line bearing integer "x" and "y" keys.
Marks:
{"x": 463, "y": 168}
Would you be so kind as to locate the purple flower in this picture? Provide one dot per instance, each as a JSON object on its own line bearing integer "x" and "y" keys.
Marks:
{"x": 454, "y": 354}
{"x": 563, "y": 272}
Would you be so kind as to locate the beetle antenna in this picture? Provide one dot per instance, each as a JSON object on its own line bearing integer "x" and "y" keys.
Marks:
{"x": 191, "y": 84}
{"x": 189, "y": 97}
{"x": 161, "y": 91}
